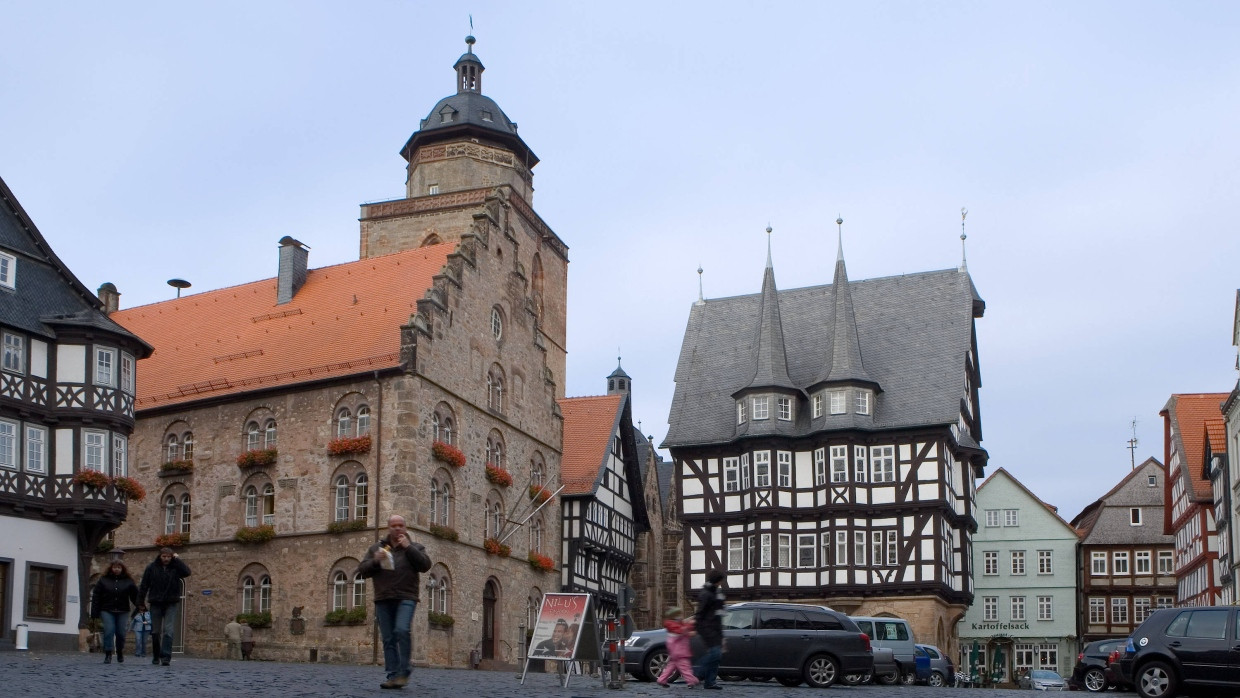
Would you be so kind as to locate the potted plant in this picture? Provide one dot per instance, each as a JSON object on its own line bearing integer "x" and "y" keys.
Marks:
{"x": 129, "y": 487}
{"x": 255, "y": 534}
{"x": 257, "y": 458}
{"x": 444, "y": 532}
{"x": 92, "y": 479}
{"x": 256, "y": 620}
{"x": 346, "y": 446}
{"x": 541, "y": 562}
{"x": 492, "y": 546}
{"x": 498, "y": 476}
{"x": 448, "y": 454}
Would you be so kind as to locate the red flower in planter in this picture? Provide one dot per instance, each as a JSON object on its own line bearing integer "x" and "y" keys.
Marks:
{"x": 541, "y": 562}
{"x": 172, "y": 540}
{"x": 448, "y": 453}
{"x": 494, "y": 547}
{"x": 498, "y": 476}
{"x": 345, "y": 446}
{"x": 91, "y": 478}
{"x": 257, "y": 458}
{"x": 539, "y": 493}
{"x": 130, "y": 487}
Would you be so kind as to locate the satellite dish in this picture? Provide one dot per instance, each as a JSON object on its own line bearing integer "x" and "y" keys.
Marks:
{"x": 179, "y": 284}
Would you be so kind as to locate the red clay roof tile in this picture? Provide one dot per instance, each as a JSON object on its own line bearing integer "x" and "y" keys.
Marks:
{"x": 589, "y": 423}
{"x": 1192, "y": 411}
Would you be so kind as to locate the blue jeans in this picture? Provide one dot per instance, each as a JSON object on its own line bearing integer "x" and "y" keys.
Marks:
{"x": 395, "y": 619}
{"x": 163, "y": 625}
{"x": 114, "y": 630}
{"x": 139, "y": 649}
{"x": 707, "y": 669}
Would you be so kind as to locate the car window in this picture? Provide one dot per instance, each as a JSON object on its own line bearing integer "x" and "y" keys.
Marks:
{"x": 891, "y": 631}
{"x": 779, "y": 619}
{"x": 1209, "y": 624}
{"x": 866, "y": 627}
{"x": 1179, "y": 625}
{"x": 1108, "y": 647}
{"x": 739, "y": 619}
{"x": 930, "y": 651}
{"x": 820, "y": 620}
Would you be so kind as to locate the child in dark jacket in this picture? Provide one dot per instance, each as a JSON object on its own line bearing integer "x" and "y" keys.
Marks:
{"x": 678, "y": 653}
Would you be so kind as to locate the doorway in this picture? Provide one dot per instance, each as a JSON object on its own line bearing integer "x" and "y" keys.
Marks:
{"x": 5, "y": 576}
{"x": 489, "y": 595}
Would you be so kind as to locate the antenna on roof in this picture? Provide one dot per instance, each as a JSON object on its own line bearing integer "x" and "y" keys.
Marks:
{"x": 179, "y": 284}
{"x": 964, "y": 259}
{"x": 1132, "y": 444}
{"x": 701, "y": 300}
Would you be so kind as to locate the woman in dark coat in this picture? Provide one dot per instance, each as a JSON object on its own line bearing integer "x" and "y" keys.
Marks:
{"x": 111, "y": 599}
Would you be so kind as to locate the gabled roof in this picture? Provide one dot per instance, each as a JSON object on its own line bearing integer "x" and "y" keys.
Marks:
{"x": 1188, "y": 414}
{"x": 1052, "y": 510}
{"x": 1106, "y": 521}
{"x": 345, "y": 320}
{"x": 916, "y": 330}
{"x": 589, "y": 424}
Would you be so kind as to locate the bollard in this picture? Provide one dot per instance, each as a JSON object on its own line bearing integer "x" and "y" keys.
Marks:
{"x": 23, "y": 637}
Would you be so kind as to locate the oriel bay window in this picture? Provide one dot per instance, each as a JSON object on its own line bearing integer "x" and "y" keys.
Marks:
{"x": 839, "y": 464}
{"x": 731, "y": 474}
{"x": 820, "y": 466}
{"x": 94, "y": 445}
{"x": 762, "y": 468}
{"x": 785, "y": 550}
{"x": 784, "y": 462}
{"x": 736, "y": 554}
{"x": 883, "y": 463}
{"x": 805, "y": 550}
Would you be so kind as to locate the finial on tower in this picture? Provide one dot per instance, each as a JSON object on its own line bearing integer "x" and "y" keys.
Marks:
{"x": 768, "y": 245}
{"x": 839, "y": 222}
{"x": 964, "y": 258}
{"x": 701, "y": 299}
{"x": 469, "y": 39}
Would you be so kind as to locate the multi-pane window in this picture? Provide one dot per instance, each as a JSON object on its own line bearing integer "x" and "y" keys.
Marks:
{"x": 1120, "y": 562}
{"x": 251, "y": 506}
{"x": 342, "y": 499}
{"x": 859, "y": 548}
{"x": 1164, "y": 602}
{"x": 8, "y": 444}
{"x": 344, "y": 428}
{"x": 883, "y": 463}
{"x": 359, "y": 589}
{"x": 264, "y": 595}
{"x": 990, "y": 608}
{"x": 1045, "y": 609}
{"x": 736, "y": 554}
{"x": 860, "y": 464}
{"x": 1048, "y": 656}
{"x": 764, "y": 554}
{"x": 185, "y": 513}
{"x": 14, "y": 353}
{"x": 1023, "y": 659}
{"x": 495, "y": 450}
{"x": 1119, "y": 610}
{"x": 1010, "y": 517}
{"x": 893, "y": 550}
{"x": 120, "y": 455}
{"x": 247, "y": 595}
{"x": 731, "y": 474}
{"x": 497, "y": 323}
{"x": 785, "y": 550}
{"x": 340, "y": 591}
{"x": 1144, "y": 561}
{"x": 1141, "y": 609}
{"x": 1097, "y": 610}
{"x": 363, "y": 420}
{"x": 837, "y": 401}
{"x": 863, "y": 402}
{"x": 361, "y": 497}
{"x": 784, "y": 408}
{"x": 784, "y": 461}
{"x": 817, "y": 405}
{"x": 1018, "y": 608}
{"x": 744, "y": 471}
{"x": 820, "y": 465}
{"x": 1018, "y": 562}
{"x": 1166, "y": 562}
{"x": 93, "y": 450}
{"x": 536, "y": 536}
{"x": 839, "y": 463}
{"x": 740, "y": 411}
{"x": 841, "y": 547}
{"x": 269, "y": 505}
{"x": 105, "y": 367}
{"x": 8, "y": 270}
{"x": 761, "y": 407}
{"x": 170, "y": 514}
{"x": 440, "y": 593}
{"x": 992, "y": 518}
{"x": 990, "y": 562}
{"x": 1046, "y": 562}
{"x": 269, "y": 434}
{"x": 36, "y": 449}
{"x": 45, "y": 592}
{"x": 762, "y": 468}
{"x": 1098, "y": 563}
{"x": 442, "y": 424}
{"x": 495, "y": 388}
{"x": 805, "y": 550}
{"x": 127, "y": 373}
{"x": 253, "y": 437}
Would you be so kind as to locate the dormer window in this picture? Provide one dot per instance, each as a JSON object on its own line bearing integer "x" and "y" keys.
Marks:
{"x": 817, "y": 405}
{"x": 8, "y": 270}
{"x": 863, "y": 402}
{"x": 837, "y": 401}
{"x": 446, "y": 115}
{"x": 761, "y": 408}
{"x": 432, "y": 189}
{"x": 784, "y": 405}
{"x": 740, "y": 412}
{"x": 486, "y": 115}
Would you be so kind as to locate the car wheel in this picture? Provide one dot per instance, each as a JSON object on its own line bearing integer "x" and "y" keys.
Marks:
{"x": 731, "y": 677}
{"x": 1155, "y": 680}
{"x": 857, "y": 679}
{"x": 936, "y": 680}
{"x": 1095, "y": 681}
{"x": 788, "y": 681}
{"x": 822, "y": 671}
{"x": 908, "y": 678}
{"x": 888, "y": 679}
{"x": 655, "y": 661}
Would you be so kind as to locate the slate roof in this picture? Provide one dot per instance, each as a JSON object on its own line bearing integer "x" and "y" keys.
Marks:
{"x": 844, "y": 362}
{"x": 589, "y": 423}
{"x": 1050, "y": 508}
{"x": 666, "y": 471}
{"x": 344, "y": 320}
{"x": 770, "y": 363}
{"x": 1107, "y": 520}
{"x": 914, "y": 331}
{"x": 1189, "y": 414}
{"x": 48, "y": 294}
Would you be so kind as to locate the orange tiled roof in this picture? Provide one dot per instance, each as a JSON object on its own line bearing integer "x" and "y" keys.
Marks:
{"x": 344, "y": 320}
{"x": 1192, "y": 411}
{"x": 1216, "y": 432}
{"x": 589, "y": 423}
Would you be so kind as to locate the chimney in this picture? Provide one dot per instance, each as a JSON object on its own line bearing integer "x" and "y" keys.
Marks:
{"x": 293, "y": 258}
{"x": 110, "y": 297}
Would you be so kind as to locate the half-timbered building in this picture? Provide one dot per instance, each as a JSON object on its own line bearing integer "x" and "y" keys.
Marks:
{"x": 1214, "y": 469}
{"x": 602, "y": 507}
{"x": 67, "y": 383}
{"x": 1231, "y": 461}
{"x": 1188, "y": 500}
{"x": 827, "y": 440}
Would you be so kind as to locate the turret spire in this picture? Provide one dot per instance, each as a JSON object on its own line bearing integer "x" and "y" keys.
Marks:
{"x": 701, "y": 299}
{"x": 469, "y": 69}
{"x": 839, "y": 223}
{"x": 964, "y": 257}
{"x": 844, "y": 361}
{"x": 770, "y": 357}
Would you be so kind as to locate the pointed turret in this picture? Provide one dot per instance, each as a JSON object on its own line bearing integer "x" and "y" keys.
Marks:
{"x": 845, "y": 363}
{"x": 770, "y": 357}
{"x": 619, "y": 383}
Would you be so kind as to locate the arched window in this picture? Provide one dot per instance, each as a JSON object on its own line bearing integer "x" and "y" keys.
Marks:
{"x": 185, "y": 513}
{"x": 445, "y": 497}
{"x": 495, "y": 449}
{"x": 443, "y": 423}
{"x": 173, "y": 448}
{"x": 361, "y": 497}
{"x": 440, "y": 600}
{"x": 253, "y": 437}
{"x": 359, "y": 589}
{"x": 363, "y": 420}
{"x": 536, "y": 531}
{"x": 495, "y": 388}
{"x": 342, "y": 499}
{"x": 269, "y": 433}
{"x": 170, "y": 514}
{"x": 434, "y": 501}
{"x": 497, "y": 323}
{"x": 269, "y": 505}
{"x": 344, "y": 423}
{"x": 247, "y": 595}
{"x": 538, "y": 470}
{"x": 187, "y": 445}
{"x": 251, "y": 507}
{"x": 340, "y": 591}
{"x": 264, "y": 595}
{"x": 537, "y": 281}
{"x": 494, "y": 517}
{"x": 533, "y": 603}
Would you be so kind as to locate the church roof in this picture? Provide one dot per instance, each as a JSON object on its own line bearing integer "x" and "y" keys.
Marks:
{"x": 48, "y": 293}
{"x": 344, "y": 320}
{"x": 1189, "y": 414}
{"x": 589, "y": 424}
{"x": 915, "y": 330}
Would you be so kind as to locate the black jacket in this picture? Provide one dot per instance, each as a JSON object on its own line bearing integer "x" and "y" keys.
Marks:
{"x": 113, "y": 594}
{"x": 710, "y": 615}
{"x": 401, "y": 583}
{"x": 161, "y": 584}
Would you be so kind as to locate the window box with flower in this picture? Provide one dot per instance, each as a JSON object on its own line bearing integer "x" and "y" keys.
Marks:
{"x": 444, "y": 532}
{"x": 498, "y": 476}
{"x": 541, "y": 562}
{"x": 131, "y": 488}
{"x": 448, "y": 454}
{"x": 346, "y": 446}
{"x": 255, "y": 534}
{"x": 346, "y": 526}
{"x": 346, "y": 616}
{"x": 442, "y": 621}
{"x": 171, "y": 540}
{"x": 256, "y": 620}
{"x": 257, "y": 458}
{"x": 539, "y": 494}
{"x": 492, "y": 546}
{"x": 176, "y": 467}
{"x": 93, "y": 479}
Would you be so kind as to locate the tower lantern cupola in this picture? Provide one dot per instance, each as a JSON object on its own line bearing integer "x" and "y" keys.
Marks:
{"x": 619, "y": 383}
{"x": 469, "y": 70}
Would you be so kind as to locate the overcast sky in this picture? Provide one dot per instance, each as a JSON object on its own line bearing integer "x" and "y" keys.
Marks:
{"x": 1095, "y": 145}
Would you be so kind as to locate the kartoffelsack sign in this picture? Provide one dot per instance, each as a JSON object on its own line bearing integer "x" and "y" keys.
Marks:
{"x": 566, "y": 631}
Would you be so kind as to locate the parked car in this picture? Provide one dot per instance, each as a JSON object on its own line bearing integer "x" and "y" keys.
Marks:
{"x": 884, "y": 666}
{"x": 1092, "y": 671}
{"x": 942, "y": 671}
{"x": 1180, "y": 650}
{"x": 1043, "y": 680}
{"x": 896, "y": 634}
{"x": 790, "y": 642}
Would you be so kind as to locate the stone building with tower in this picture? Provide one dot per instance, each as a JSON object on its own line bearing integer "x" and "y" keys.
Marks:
{"x": 281, "y": 422}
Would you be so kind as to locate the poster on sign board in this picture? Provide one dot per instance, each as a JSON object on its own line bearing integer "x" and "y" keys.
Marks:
{"x": 566, "y": 631}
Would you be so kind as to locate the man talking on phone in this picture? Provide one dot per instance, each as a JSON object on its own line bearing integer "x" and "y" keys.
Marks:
{"x": 394, "y": 564}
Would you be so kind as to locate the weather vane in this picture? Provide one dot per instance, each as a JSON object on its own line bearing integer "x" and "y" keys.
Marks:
{"x": 1132, "y": 444}
{"x": 964, "y": 257}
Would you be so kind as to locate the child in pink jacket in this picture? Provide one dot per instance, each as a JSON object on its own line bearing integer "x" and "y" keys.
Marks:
{"x": 678, "y": 653}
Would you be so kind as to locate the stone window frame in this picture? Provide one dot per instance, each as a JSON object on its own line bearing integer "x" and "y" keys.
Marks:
{"x": 444, "y": 426}
{"x": 259, "y": 482}
{"x": 348, "y": 568}
{"x": 260, "y": 430}
{"x": 533, "y": 604}
{"x": 351, "y": 416}
{"x": 497, "y": 323}
{"x": 538, "y": 469}
{"x": 493, "y": 514}
{"x": 442, "y": 491}
{"x": 178, "y": 493}
{"x": 352, "y": 472}
{"x": 255, "y": 582}
{"x": 439, "y": 589}
{"x": 495, "y": 381}
{"x": 496, "y": 450}
{"x": 536, "y": 534}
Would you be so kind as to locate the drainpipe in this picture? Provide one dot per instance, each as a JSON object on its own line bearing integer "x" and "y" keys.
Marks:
{"x": 374, "y": 635}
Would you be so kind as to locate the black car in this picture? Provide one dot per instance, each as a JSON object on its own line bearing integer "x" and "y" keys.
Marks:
{"x": 790, "y": 642}
{"x": 1180, "y": 650}
{"x": 1093, "y": 672}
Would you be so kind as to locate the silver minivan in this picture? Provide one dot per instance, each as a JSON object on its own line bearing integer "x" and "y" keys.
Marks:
{"x": 893, "y": 633}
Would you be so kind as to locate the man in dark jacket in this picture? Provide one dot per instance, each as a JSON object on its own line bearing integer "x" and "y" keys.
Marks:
{"x": 394, "y": 564}
{"x": 161, "y": 593}
{"x": 709, "y": 618}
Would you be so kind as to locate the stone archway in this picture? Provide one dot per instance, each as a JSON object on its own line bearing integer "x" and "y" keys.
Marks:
{"x": 490, "y": 597}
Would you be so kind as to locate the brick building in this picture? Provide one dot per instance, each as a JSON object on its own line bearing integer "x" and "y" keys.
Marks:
{"x": 280, "y": 422}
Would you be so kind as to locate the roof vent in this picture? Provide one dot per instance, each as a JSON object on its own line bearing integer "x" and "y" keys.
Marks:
{"x": 294, "y": 257}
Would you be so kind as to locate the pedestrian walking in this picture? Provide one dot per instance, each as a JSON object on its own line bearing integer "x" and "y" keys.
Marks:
{"x": 110, "y": 600}
{"x": 161, "y": 592}
{"x": 247, "y": 639}
{"x": 709, "y": 621}
{"x": 679, "y": 656}
{"x": 394, "y": 564}
{"x": 232, "y": 633}
{"x": 141, "y": 625}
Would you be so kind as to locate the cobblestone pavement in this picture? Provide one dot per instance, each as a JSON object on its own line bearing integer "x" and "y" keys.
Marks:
{"x": 79, "y": 674}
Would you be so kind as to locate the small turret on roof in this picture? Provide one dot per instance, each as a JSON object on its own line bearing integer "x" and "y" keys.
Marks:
{"x": 845, "y": 364}
{"x": 770, "y": 355}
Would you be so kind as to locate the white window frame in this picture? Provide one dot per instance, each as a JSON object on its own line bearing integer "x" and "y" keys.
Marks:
{"x": 105, "y": 374}
{"x": 816, "y": 403}
{"x": 764, "y": 550}
{"x": 95, "y": 453}
{"x": 1098, "y": 563}
{"x": 120, "y": 455}
{"x": 806, "y": 543}
{"x": 1011, "y": 517}
{"x": 990, "y": 608}
{"x": 783, "y": 461}
{"x": 1018, "y": 608}
{"x": 861, "y": 464}
{"x": 8, "y": 270}
{"x": 785, "y": 551}
{"x": 497, "y": 324}
{"x": 838, "y": 401}
{"x": 863, "y": 402}
{"x": 127, "y": 373}
{"x": 1046, "y": 608}
{"x": 1119, "y": 562}
{"x": 783, "y": 408}
{"x": 9, "y": 444}
{"x": 736, "y": 554}
{"x": 14, "y": 360}
{"x": 761, "y": 408}
{"x": 893, "y": 549}
{"x": 731, "y": 474}
{"x": 859, "y": 548}
{"x": 1119, "y": 610}
{"x": 841, "y": 548}
{"x": 1142, "y": 607}
{"x": 762, "y": 468}
{"x": 1018, "y": 562}
{"x": 1134, "y": 516}
{"x": 883, "y": 464}
{"x": 740, "y": 411}
{"x": 820, "y": 466}
{"x": 1143, "y": 562}
{"x": 1097, "y": 610}
{"x": 992, "y": 518}
{"x": 744, "y": 471}
{"x": 990, "y": 563}
{"x": 1166, "y": 562}
{"x": 36, "y": 449}
{"x": 1046, "y": 562}
{"x": 839, "y": 464}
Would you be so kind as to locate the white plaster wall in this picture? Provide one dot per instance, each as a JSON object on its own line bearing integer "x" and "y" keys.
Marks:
{"x": 42, "y": 542}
